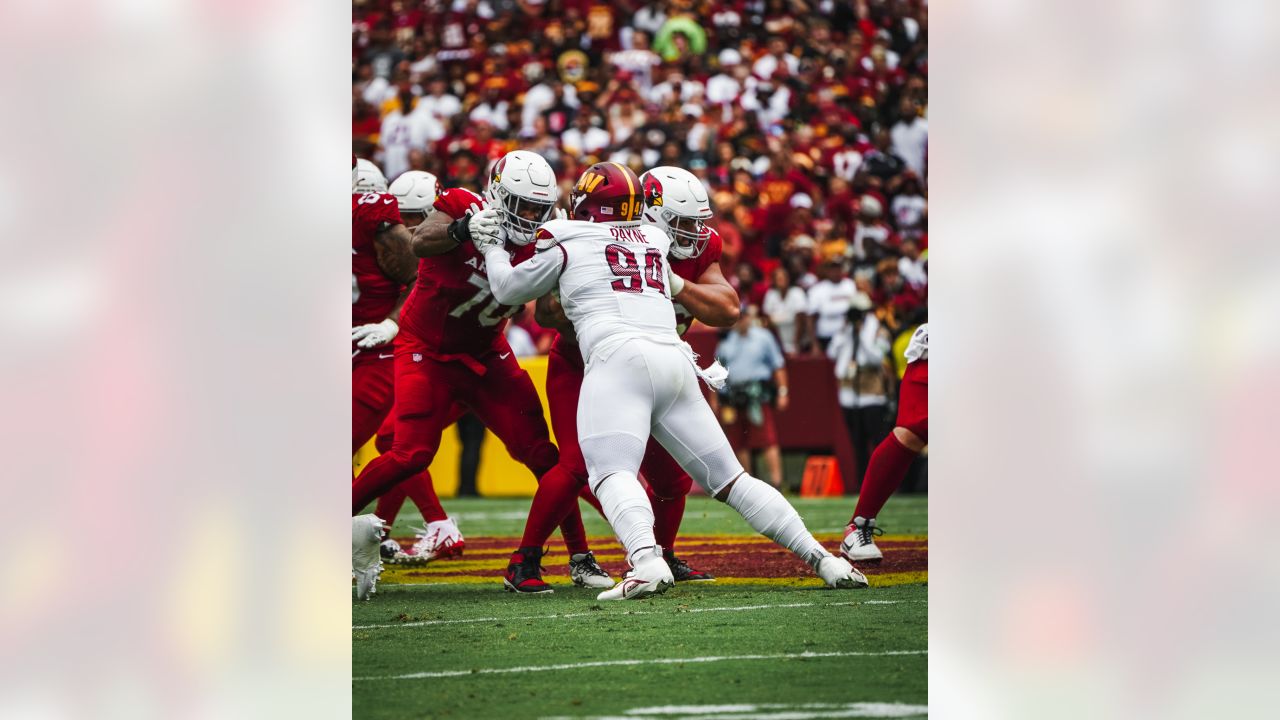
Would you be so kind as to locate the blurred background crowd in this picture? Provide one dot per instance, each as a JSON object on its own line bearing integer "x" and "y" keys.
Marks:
{"x": 806, "y": 119}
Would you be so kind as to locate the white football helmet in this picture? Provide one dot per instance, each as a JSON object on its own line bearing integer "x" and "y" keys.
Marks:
{"x": 523, "y": 187}
{"x": 415, "y": 191}
{"x": 368, "y": 178}
{"x": 676, "y": 203}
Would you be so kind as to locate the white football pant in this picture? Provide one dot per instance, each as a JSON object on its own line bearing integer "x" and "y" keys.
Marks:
{"x": 648, "y": 388}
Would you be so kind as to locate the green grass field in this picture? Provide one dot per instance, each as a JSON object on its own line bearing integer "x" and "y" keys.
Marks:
{"x": 765, "y": 641}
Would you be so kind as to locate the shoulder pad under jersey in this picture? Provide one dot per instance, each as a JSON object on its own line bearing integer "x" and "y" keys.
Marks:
{"x": 552, "y": 233}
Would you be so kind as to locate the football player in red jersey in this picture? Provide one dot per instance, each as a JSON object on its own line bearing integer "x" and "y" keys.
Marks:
{"x": 382, "y": 270}
{"x": 450, "y": 353}
{"x": 372, "y": 386}
{"x": 676, "y": 202}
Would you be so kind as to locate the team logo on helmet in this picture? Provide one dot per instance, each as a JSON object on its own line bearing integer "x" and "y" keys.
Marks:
{"x": 590, "y": 181}
{"x": 497, "y": 170}
{"x": 652, "y": 191}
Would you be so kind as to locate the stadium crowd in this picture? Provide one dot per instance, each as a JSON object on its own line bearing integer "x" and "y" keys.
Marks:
{"x": 806, "y": 119}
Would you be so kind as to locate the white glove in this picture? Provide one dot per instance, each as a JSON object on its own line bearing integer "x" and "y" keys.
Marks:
{"x": 485, "y": 228}
{"x": 674, "y": 281}
{"x": 375, "y": 334}
{"x": 559, "y": 214}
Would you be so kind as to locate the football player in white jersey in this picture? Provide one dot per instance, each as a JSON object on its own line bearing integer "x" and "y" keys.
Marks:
{"x": 614, "y": 284}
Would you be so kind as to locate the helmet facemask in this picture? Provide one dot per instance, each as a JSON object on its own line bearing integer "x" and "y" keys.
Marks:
{"x": 689, "y": 236}
{"x": 521, "y": 216}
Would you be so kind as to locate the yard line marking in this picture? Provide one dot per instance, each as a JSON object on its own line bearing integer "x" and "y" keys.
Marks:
{"x": 765, "y": 711}
{"x": 651, "y": 661}
{"x": 597, "y": 613}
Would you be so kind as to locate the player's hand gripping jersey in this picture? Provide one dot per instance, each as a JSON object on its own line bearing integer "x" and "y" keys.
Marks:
{"x": 373, "y": 294}
{"x": 452, "y": 311}
{"x": 612, "y": 281}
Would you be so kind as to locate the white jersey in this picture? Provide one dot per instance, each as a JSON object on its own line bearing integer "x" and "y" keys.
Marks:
{"x": 612, "y": 280}
{"x": 918, "y": 347}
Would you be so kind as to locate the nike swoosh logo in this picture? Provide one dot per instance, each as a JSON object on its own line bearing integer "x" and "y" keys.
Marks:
{"x": 384, "y": 357}
{"x": 504, "y": 356}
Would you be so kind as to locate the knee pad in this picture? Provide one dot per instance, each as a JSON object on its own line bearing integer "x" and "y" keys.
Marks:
{"x": 715, "y": 469}
{"x": 413, "y": 461}
{"x": 540, "y": 457}
{"x": 612, "y": 453}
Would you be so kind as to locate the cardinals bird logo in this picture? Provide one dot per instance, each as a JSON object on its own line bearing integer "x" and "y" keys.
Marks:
{"x": 652, "y": 191}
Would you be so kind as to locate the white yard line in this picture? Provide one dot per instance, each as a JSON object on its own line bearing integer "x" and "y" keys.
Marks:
{"x": 598, "y": 613}
{"x": 766, "y": 711}
{"x": 647, "y": 661}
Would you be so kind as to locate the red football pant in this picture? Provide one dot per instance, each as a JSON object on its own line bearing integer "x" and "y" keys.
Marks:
{"x": 418, "y": 487}
{"x": 891, "y": 460}
{"x": 372, "y": 397}
{"x": 429, "y": 393}
{"x": 556, "y": 498}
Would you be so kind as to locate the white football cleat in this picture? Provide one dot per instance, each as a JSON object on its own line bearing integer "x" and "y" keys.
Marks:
{"x": 366, "y": 555}
{"x": 586, "y": 572}
{"x": 836, "y": 572}
{"x": 649, "y": 575}
{"x": 438, "y": 540}
{"x": 858, "y": 545}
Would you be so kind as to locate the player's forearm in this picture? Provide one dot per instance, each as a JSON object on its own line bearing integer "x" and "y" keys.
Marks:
{"x": 550, "y": 314}
{"x": 431, "y": 237}
{"x": 510, "y": 285}
{"x": 712, "y": 304}
{"x": 394, "y": 257}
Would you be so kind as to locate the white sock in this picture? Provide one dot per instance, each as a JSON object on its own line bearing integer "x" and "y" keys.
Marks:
{"x": 765, "y": 510}
{"x": 627, "y": 508}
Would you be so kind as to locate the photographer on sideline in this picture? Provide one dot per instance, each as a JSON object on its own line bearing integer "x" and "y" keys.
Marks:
{"x": 757, "y": 384}
{"x": 860, "y": 351}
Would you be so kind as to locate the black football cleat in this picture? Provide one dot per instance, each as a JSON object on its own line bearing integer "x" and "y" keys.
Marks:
{"x": 524, "y": 572}
{"x": 681, "y": 570}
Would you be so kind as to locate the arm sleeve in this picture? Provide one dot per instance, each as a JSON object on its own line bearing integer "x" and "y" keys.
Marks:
{"x": 530, "y": 280}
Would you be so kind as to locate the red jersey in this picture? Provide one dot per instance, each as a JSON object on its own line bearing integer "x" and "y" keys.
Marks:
{"x": 452, "y": 310}
{"x": 690, "y": 269}
{"x": 373, "y": 294}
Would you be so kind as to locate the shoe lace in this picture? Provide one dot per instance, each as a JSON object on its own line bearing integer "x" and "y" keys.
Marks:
{"x": 533, "y": 560}
{"x": 678, "y": 565}
{"x": 589, "y": 565}
{"x": 866, "y": 532}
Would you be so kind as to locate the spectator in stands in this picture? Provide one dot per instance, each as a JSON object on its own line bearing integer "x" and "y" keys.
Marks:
{"x": 757, "y": 384}
{"x": 584, "y": 138}
{"x": 784, "y": 305}
{"x": 748, "y": 284}
{"x": 872, "y": 237}
{"x": 910, "y": 137}
{"x": 910, "y": 208}
{"x": 860, "y": 351}
{"x": 810, "y": 119}
{"x": 912, "y": 267}
{"x": 829, "y": 301}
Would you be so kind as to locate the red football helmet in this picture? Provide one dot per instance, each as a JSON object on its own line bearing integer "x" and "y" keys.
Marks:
{"x": 607, "y": 192}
